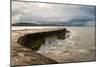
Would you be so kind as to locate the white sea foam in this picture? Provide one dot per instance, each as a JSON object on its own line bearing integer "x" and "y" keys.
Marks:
{"x": 78, "y": 46}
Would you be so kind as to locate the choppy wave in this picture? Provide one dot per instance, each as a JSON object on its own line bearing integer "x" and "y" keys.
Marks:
{"x": 79, "y": 46}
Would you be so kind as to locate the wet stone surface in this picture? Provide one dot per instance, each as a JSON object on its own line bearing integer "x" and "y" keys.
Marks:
{"x": 23, "y": 52}
{"x": 74, "y": 46}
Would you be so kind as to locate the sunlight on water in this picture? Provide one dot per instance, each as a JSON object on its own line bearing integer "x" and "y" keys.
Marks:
{"x": 30, "y": 27}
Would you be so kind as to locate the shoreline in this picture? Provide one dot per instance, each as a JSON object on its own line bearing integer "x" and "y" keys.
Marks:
{"x": 80, "y": 46}
{"x": 20, "y": 52}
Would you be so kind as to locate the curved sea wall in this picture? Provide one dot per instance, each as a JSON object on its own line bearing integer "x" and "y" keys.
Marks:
{"x": 35, "y": 40}
{"x": 24, "y": 42}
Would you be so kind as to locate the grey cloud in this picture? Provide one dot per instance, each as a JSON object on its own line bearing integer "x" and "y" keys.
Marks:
{"x": 52, "y": 13}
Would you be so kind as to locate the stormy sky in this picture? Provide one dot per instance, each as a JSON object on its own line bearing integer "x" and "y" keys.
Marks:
{"x": 47, "y": 13}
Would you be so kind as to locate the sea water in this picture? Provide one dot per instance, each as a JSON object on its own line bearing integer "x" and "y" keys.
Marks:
{"x": 78, "y": 46}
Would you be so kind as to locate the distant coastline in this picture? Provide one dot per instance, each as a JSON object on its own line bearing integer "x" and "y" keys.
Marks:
{"x": 62, "y": 24}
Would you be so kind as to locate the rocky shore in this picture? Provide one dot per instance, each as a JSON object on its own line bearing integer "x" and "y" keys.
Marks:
{"x": 76, "y": 46}
{"x": 21, "y": 55}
